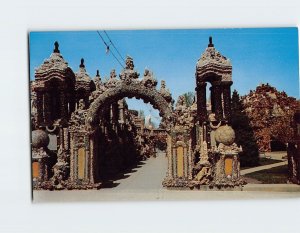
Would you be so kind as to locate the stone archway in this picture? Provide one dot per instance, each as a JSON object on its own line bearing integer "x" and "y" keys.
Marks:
{"x": 84, "y": 128}
{"x": 135, "y": 89}
{"x": 112, "y": 95}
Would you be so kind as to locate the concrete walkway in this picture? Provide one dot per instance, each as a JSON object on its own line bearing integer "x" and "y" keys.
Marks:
{"x": 145, "y": 178}
{"x": 278, "y": 155}
{"x": 265, "y": 167}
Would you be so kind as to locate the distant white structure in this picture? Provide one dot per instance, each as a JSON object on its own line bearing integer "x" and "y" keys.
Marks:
{"x": 148, "y": 123}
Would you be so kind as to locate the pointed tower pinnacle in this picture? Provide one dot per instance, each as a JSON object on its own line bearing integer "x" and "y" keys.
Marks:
{"x": 56, "y": 45}
{"x": 82, "y": 63}
{"x": 210, "y": 42}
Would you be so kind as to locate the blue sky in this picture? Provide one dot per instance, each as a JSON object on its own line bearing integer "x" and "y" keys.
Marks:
{"x": 265, "y": 55}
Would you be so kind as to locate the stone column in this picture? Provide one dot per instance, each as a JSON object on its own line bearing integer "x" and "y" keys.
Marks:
{"x": 63, "y": 105}
{"x": 92, "y": 164}
{"x": 61, "y": 137}
{"x": 169, "y": 154}
{"x": 218, "y": 101}
{"x": 72, "y": 157}
{"x": 212, "y": 98}
{"x": 39, "y": 107}
{"x": 227, "y": 101}
{"x": 115, "y": 110}
{"x": 201, "y": 102}
{"x": 47, "y": 112}
{"x": 190, "y": 167}
{"x": 121, "y": 111}
{"x": 185, "y": 162}
{"x": 67, "y": 95}
{"x": 235, "y": 171}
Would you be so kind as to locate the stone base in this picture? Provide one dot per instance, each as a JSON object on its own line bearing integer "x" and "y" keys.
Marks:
{"x": 182, "y": 184}
{"x": 214, "y": 188}
{"x": 176, "y": 183}
{"x": 63, "y": 185}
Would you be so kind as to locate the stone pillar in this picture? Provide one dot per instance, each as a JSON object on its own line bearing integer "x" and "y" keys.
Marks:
{"x": 235, "y": 171}
{"x": 66, "y": 138}
{"x": 73, "y": 154}
{"x": 39, "y": 107}
{"x": 111, "y": 113}
{"x": 169, "y": 155}
{"x": 115, "y": 110}
{"x": 67, "y": 95}
{"x": 227, "y": 101}
{"x": 212, "y": 98}
{"x": 218, "y": 102}
{"x": 201, "y": 102}
{"x": 47, "y": 113}
{"x": 61, "y": 137}
{"x": 63, "y": 105}
{"x": 190, "y": 167}
{"x": 121, "y": 111}
{"x": 92, "y": 162}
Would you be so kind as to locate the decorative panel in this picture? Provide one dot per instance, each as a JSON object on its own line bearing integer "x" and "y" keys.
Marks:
{"x": 180, "y": 161}
{"x": 81, "y": 163}
{"x": 228, "y": 166}
{"x": 35, "y": 169}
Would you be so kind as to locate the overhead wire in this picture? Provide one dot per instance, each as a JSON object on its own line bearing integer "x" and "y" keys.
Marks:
{"x": 108, "y": 49}
{"x": 114, "y": 45}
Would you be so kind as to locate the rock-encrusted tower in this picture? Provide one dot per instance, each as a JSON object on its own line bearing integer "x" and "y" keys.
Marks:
{"x": 216, "y": 69}
{"x": 216, "y": 156}
{"x": 54, "y": 87}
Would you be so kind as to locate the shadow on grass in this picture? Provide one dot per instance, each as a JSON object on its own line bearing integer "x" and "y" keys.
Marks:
{"x": 276, "y": 175}
{"x": 263, "y": 162}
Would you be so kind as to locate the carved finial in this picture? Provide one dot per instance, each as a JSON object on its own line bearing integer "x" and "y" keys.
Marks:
{"x": 82, "y": 63}
{"x": 113, "y": 73}
{"x": 129, "y": 63}
{"x": 56, "y": 45}
{"x": 210, "y": 42}
{"x": 98, "y": 75}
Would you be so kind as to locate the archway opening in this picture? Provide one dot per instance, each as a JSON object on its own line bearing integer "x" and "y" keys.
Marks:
{"x": 54, "y": 86}
{"x": 127, "y": 130}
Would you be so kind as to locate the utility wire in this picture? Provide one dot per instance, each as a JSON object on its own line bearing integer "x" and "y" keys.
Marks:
{"x": 113, "y": 45}
{"x": 107, "y": 47}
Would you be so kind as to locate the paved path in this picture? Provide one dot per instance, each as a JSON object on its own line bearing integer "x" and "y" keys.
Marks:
{"x": 278, "y": 155}
{"x": 145, "y": 178}
{"x": 260, "y": 168}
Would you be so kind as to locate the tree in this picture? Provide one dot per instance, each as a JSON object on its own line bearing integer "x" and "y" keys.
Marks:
{"x": 244, "y": 133}
{"x": 189, "y": 98}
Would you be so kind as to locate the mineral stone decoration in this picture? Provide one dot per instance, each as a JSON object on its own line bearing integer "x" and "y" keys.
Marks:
{"x": 97, "y": 134}
{"x": 225, "y": 134}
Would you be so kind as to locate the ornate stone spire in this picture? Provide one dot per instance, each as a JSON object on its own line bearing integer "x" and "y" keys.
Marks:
{"x": 82, "y": 75}
{"x": 129, "y": 63}
{"x": 56, "y": 45}
{"x": 210, "y": 42}
{"x": 214, "y": 59}
{"x": 55, "y": 63}
{"x": 128, "y": 73}
{"x": 82, "y": 63}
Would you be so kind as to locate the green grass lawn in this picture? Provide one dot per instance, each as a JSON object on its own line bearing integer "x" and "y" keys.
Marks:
{"x": 276, "y": 175}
